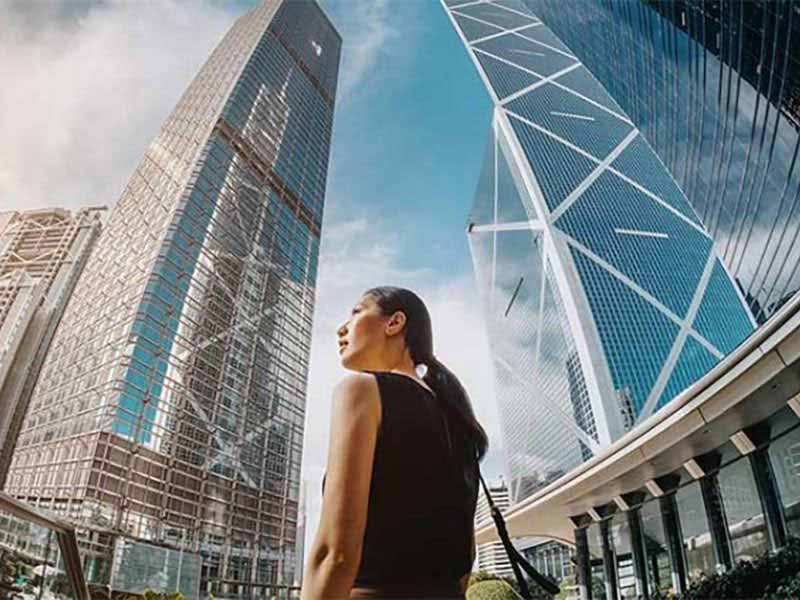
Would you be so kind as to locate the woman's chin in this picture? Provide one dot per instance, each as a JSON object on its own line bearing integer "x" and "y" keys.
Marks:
{"x": 350, "y": 363}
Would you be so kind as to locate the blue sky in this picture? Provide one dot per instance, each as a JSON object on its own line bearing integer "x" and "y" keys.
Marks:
{"x": 408, "y": 141}
{"x": 410, "y": 127}
{"x": 411, "y": 124}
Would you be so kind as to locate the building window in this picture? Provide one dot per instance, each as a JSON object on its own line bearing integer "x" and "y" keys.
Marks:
{"x": 785, "y": 456}
{"x": 697, "y": 544}
{"x": 745, "y": 518}
{"x": 659, "y": 570}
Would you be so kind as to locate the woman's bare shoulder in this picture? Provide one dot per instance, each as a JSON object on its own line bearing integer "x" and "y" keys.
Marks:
{"x": 355, "y": 389}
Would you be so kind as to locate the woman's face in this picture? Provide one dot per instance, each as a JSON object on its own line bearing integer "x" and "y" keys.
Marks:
{"x": 362, "y": 336}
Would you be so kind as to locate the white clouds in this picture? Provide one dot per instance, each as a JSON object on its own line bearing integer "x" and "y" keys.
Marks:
{"x": 367, "y": 31}
{"x": 86, "y": 87}
{"x": 358, "y": 255}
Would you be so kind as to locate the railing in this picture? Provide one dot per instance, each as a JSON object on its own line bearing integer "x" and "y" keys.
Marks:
{"x": 65, "y": 534}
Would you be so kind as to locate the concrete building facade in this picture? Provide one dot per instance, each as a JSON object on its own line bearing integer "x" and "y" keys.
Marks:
{"x": 42, "y": 253}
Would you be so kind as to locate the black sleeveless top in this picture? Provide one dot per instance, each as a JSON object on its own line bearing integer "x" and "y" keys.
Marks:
{"x": 423, "y": 491}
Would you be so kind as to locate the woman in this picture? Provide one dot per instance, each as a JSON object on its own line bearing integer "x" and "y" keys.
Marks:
{"x": 401, "y": 484}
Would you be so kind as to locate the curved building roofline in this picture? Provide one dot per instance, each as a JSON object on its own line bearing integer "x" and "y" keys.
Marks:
{"x": 750, "y": 384}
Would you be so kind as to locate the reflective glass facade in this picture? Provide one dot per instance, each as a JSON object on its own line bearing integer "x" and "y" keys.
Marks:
{"x": 605, "y": 296}
{"x": 719, "y": 518}
{"x": 715, "y": 89}
{"x": 42, "y": 253}
{"x": 171, "y": 405}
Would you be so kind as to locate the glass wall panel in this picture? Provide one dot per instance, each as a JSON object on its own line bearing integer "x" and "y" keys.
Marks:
{"x": 181, "y": 359}
{"x": 596, "y": 559}
{"x": 746, "y": 522}
{"x": 696, "y": 536}
{"x": 659, "y": 569}
{"x": 622, "y": 547}
{"x": 666, "y": 65}
{"x": 785, "y": 456}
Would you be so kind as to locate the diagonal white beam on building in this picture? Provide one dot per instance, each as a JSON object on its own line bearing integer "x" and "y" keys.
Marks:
{"x": 636, "y": 288}
{"x": 485, "y": 22}
{"x": 487, "y": 84}
{"x": 599, "y": 385}
{"x": 502, "y": 33}
{"x": 540, "y": 83}
{"x": 535, "y": 20}
{"x": 545, "y": 281}
{"x": 548, "y": 46}
{"x": 677, "y": 346}
{"x": 706, "y": 344}
{"x": 593, "y": 102}
{"x": 496, "y": 147}
{"x": 514, "y": 10}
{"x": 546, "y": 402}
{"x": 590, "y": 179}
{"x": 555, "y": 136}
{"x": 622, "y": 277}
{"x": 506, "y": 61}
{"x": 655, "y": 197}
{"x": 465, "y": 4}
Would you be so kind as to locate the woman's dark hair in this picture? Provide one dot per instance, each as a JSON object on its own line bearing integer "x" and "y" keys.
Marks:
{"x": 419, "y": 339}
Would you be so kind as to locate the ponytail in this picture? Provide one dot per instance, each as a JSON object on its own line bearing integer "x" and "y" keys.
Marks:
{"x": 449, "y": 390}
{"x": 419, "y": 339}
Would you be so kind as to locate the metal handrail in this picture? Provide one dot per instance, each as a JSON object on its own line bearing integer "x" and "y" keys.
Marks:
{"x": 67, "y": 540}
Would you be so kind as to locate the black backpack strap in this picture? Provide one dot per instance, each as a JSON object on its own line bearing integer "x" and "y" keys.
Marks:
{"x": 516, "y": 559}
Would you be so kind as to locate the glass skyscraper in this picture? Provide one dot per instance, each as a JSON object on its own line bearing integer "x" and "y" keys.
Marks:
{"x": 715, "y": 89}
{"x": 605, "y": 295}
{"x": 42, "y": 253}
{"x": 170, "y": 409}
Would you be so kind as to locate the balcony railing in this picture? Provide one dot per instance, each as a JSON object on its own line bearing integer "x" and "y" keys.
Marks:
{"x": 29, "y": 533}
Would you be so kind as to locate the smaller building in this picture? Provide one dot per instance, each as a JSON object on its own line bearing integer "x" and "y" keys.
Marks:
{"x": 549, "y": 557}
{"x": 492, "y": 557}
{"x": 42, "y": 253}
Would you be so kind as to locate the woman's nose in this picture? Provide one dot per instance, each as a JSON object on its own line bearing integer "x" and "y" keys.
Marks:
{"x": 342, "y": 330}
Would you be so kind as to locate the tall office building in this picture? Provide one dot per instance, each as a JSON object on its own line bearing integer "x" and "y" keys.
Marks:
{"x": 170, "y": 409}
{"x": 715, "y": 89}
{"x": 604, "y": 294}
{"x": 42, "y": 253}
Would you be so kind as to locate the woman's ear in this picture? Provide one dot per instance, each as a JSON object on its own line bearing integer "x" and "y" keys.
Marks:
{"x": 396, "y": 323}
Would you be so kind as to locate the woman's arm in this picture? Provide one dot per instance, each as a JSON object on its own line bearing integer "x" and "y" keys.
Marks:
{"x": 335, "y": 555}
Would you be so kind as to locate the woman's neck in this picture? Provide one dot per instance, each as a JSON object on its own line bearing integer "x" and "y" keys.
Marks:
{"x": 403, "y": 365}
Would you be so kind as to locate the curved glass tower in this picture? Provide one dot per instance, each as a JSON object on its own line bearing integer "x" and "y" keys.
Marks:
{"x": 170, "y": 409}
{"x": 715, "y": 89}
{"x": 605, "y": 295}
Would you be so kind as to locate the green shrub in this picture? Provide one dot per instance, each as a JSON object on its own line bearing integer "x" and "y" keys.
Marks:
{"x": 151, "y": 595}
{"x": 788, "y": 589}
{"x": 752, "y": 579}
{"x": 598, "y": 588}
{"x": 481, "y": 575}
{"x": 491, "y": 589}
